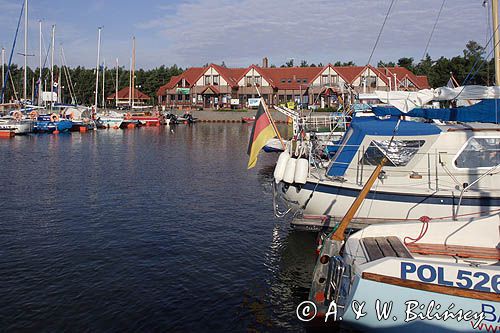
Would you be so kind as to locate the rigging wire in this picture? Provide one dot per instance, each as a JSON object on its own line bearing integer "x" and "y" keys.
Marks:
{"x": 11, "y": 54}
{"x": 433, "y": 29}
{"x": 381, "y": 30}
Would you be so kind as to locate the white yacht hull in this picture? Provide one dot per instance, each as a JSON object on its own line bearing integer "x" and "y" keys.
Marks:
{"x": 111, "y": 122}
{"x": 334, "y": 200}
{"x": 19, "y": 127}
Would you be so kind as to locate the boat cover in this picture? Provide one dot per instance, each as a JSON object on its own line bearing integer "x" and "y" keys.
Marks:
{"x": 373, "y": 126}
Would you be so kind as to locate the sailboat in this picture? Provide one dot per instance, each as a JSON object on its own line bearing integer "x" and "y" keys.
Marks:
{"x": 52, "y": 122}
{"x": 423, "y": 275}
{"x": 17, "y": 121}
{"x": 445, "y": 165}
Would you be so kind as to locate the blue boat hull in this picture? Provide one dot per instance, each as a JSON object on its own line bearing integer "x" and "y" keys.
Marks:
{"x": 49, "y": 126}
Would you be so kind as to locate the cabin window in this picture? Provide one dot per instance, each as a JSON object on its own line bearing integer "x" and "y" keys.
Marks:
{"x": 479, "y": 153}
{"x": 398, "y": 154}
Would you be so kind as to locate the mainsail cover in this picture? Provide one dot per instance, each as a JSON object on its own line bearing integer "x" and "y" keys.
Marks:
{"x": 405, "y": 101}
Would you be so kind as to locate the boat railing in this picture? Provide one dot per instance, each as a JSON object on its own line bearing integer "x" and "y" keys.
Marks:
{"x": 466, "y": 187}
{"x": 337, "y": 278}
{"x": 325, "y": 123}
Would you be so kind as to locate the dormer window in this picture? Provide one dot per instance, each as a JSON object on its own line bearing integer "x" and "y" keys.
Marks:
{"x": 215, "y": 80}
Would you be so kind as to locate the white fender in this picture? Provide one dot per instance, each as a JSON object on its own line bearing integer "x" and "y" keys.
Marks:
{"x": 301, "y": 171}
{"x": 289, "y": 175}
{"x": 279, "y": 170}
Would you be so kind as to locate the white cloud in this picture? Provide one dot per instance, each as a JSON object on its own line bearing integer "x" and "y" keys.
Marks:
{"x": 240, "y": 32}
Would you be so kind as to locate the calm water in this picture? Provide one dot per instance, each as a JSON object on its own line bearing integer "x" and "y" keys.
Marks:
{"x": 145, "y": 230}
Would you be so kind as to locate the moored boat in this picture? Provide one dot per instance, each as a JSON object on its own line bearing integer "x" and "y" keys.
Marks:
{"x": 412, "y": 277}
{"x": 17, "y": 122}
{"x": 48, "y": 123}
{"x": 446, "y": 170}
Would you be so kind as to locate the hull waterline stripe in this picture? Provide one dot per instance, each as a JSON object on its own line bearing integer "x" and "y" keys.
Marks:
{"x": 403, "y": 197}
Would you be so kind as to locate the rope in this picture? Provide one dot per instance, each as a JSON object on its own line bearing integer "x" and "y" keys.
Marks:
{"x": 433, "y": 29}
{"x": 425, "y": 226}
{"x": 380, "y": 32}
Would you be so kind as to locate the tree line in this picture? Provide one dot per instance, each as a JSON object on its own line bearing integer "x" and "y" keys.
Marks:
{"x": 83, "y": 82}
{"x": 473, "y": 66}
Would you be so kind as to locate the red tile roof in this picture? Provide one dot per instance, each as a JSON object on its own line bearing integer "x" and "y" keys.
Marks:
{"x": 123, "y": 94}
{"x": 231, "y": 75}
{"x": 214, "y": 89}
{"x": 422, "y": 82}
{"x": 349, "y": 73}
{"x": 295, "y": 78}
{"x": 419, "y": 81}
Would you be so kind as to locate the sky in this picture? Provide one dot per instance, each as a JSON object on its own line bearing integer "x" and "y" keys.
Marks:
{"x": 242, "y": 32}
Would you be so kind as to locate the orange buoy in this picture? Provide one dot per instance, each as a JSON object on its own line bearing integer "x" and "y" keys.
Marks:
{"x": 56, "y": 132}
{"x": 54, "y": 117}
{"x": 83, "y": 129}
{"x": 33, "y": 115}
{"x": 116, "y": 127}
{"x": 131, "y": 126}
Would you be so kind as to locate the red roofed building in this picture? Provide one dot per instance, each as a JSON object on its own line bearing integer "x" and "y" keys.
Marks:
{"x": 140, "y": 98}
{"x": 217, "y": 86}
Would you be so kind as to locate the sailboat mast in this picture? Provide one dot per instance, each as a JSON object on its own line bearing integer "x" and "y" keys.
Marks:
{"x": 40, "y": 64}
{"x": 496, "y": 39}
{"x": 133, "y": 71}
{"x": 97, "y": 69}
{"x": 130, "y": 85}
{"x": 116, "y": 85}
{"x": 25, "y": 49}
{"x": 103, "y": 83}
{"x": 52, "y": 67}
{"x": 3, "y": 67}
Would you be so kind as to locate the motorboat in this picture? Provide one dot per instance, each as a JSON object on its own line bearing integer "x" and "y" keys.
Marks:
{"x": 48, "y": 123}
{"x": 80, "y": 116}
{"x": 17, "y": 122}
{"x": 110, "y": 119}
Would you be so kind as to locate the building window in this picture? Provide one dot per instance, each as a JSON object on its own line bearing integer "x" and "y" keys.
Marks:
{"x": 281, "y": 98}
{"x": 216, "y": 80}
{"x": 335, "y": 79}
{"x": 207, "y": 80}
{"x": 179, "y": 97}
{"x": 324, "y": 80}
{"x": 289, "y": 97}
{"x": 283, "y": 80}
{"x": 257, "y": 80}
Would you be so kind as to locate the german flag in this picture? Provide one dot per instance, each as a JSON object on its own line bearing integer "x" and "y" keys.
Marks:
{"x": 262, "y": 131}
